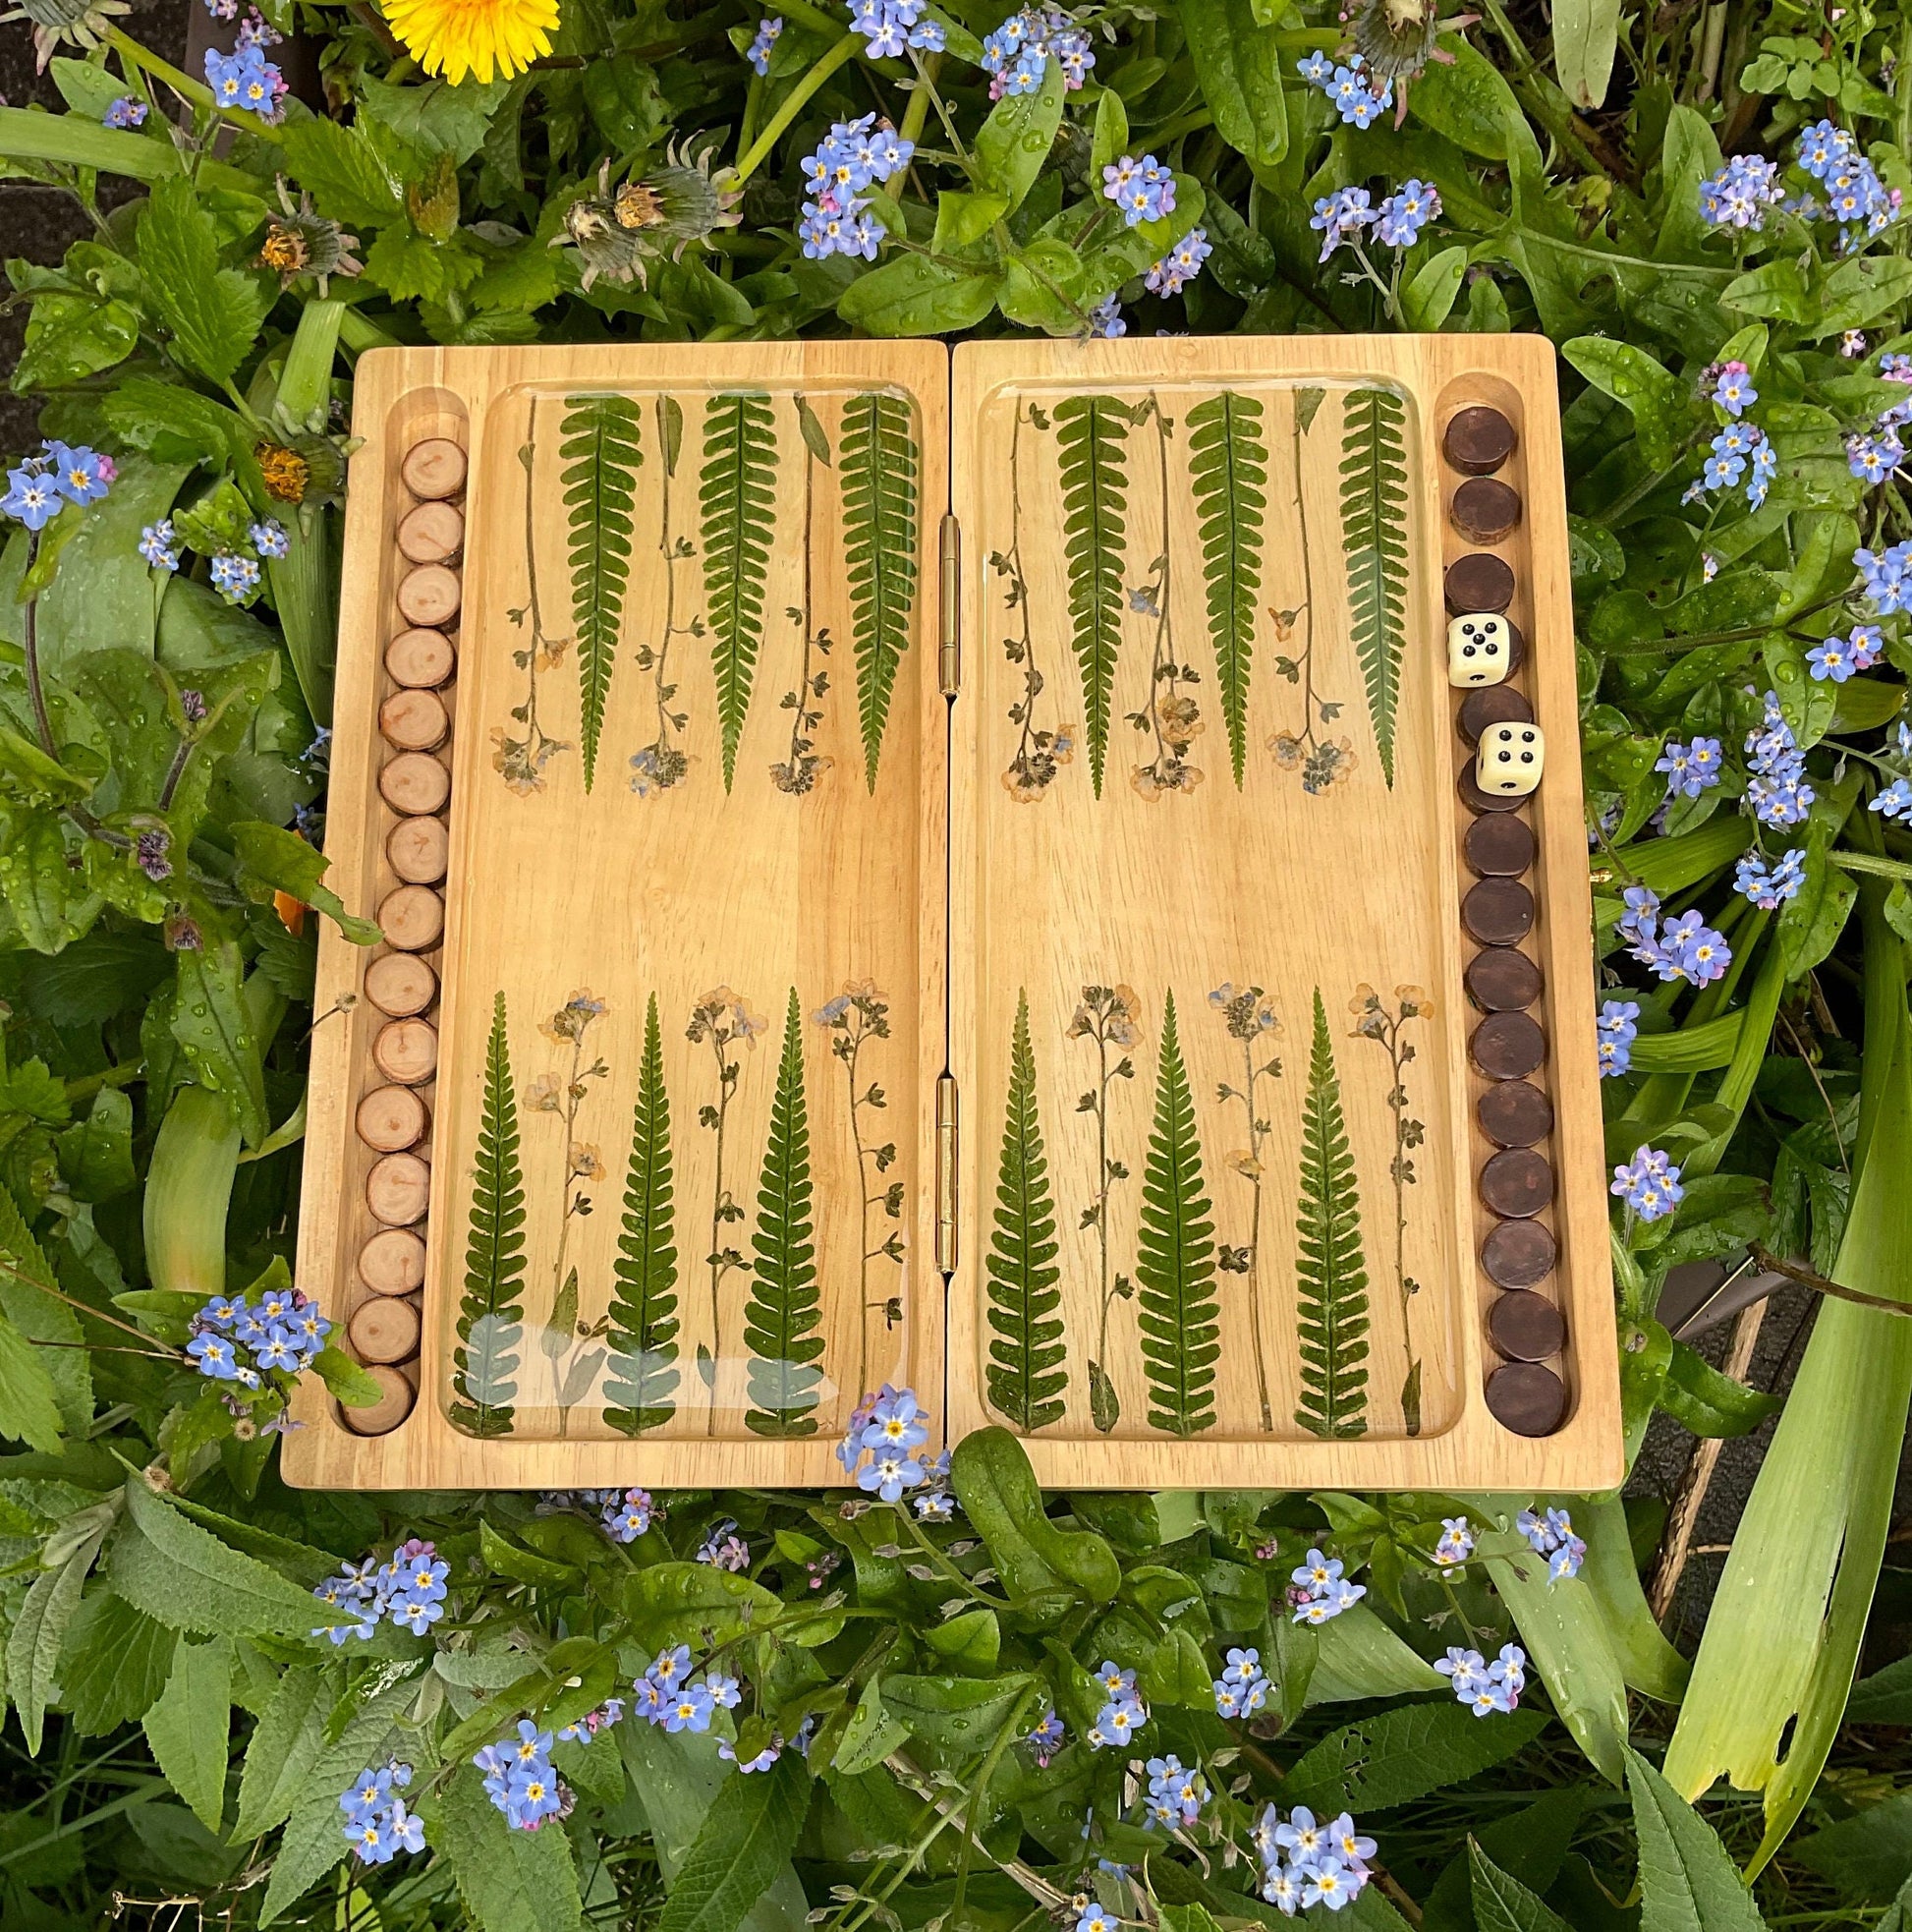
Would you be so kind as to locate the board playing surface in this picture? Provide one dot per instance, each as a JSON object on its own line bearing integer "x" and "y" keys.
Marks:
{"x": 1051, "y": 987}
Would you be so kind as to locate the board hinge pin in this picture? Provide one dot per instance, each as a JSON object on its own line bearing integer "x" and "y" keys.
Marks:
{"x": 947, "y": 1143}
{"x": 949, "y": 661}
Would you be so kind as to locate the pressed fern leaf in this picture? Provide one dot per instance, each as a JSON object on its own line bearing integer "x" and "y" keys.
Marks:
{"x": 736, "y": 497}
{"x": 1228, "y": 470}
{"x": 1373, "y": 532}
{"x": 1092, "y": 445}
{"x": 780, "y": 1320}
{"x": 1025, "y": 1376}
{"x": 602, "y": 454}
{"x": 878, "y": 456}
{"x": 1331, "y": 1276}
{"x": 641, "y": 1384}
{"x": 1175, "y": 1257}
{"x": 491, "y": 1316}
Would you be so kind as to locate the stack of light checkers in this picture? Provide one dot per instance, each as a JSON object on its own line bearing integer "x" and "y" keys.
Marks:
{"x": 1507, "y": 1045}
{"x": 394, "y": 1118}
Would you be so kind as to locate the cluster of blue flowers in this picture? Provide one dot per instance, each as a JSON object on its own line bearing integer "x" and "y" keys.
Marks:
{"x": 44, "y": 485}
{"x": 1123, "y": 1713}
{"x": 1243, "y": 1687}
{"x": 1318, "y": 1591}
{"x": 1730, "y": 386}
{"x": 1350, "y": 88}
{"x": 1690, "y": 769}
{"x": 1777, "y": 790}
{"x": 1649, "y": 1183}
{"x": 234, "y": 1341}
{"x": 1456, "y": 1542}
{"x": 1895, "y": 801}
{"x": 888, "y": 1428}
{"x": 1180, "y": 265}
{"x": 667, "y": 1694}
{"x": 623, "y": 1514}
{"x": 1887, "y": 577}
{"x": 1047, "y": 1738}
{"x": 1551, "y": 1536}
{"x": 1850, "y": 192}
{"x": 1398, "y": 223}
{"x": 1482, "y": 1686}
{"x": 1615, "y": 1031}
{"x": 1142, "y": 189}
{"x": 128, "y": 111}
{"x": 1305, "y": 1863}
{"x": 1770, "y": 884}
{"x": 1176, "y": 1795}
{"x": 1742, "y": 191}
{"x": 852, "y": 156}
{"x": 377, "y": 1824}
{"x": 519, "y": 1779}
{"x": 890, "y": 28}
{"x": 1016, "y": 54}
{"x": 1682, "y": 948}
{"x": 1740, "y": 449}
{"x": 724, "y": 1549}
{"x": 768, "y": 31}
{"x": 409, "y": 1587}
{"x": 244, "y": 80}
{"x": 235, "y": 575}
{"x": 1839, "y": 657}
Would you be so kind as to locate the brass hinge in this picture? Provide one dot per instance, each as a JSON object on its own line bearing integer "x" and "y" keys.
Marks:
{"x": 947, "y": 1143}
{"x": 949, "y": 661}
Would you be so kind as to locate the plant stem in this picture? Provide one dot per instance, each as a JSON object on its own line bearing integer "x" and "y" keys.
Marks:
{"x": 794, "y": 103}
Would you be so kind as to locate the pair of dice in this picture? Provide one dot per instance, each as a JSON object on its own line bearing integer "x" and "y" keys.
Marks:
{"x": 1511, "y": 757}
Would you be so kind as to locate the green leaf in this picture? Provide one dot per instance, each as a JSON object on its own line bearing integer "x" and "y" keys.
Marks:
{"x": 1816, "y": 915}
{"x": 39, "y": 1633}
{"x": 116, "y": 1661}
{"x": 1775, "y": 290}
{"x": 962, "y": 1715}
{"x": 70, "y": 337}
{"x": 27, "y": 1300}
{"x": 1428, "y": 294}
{"x": 96, "y": 1153}
{"x": 871, "y": 1734}
{"x": 1699, "y": 1398}
{"x": 1866, "y": 1856}
{"x": 1178, "y": 1316}
{"x": 1586, "y": 34}
{"x": 176, "y": 423}
{"x": 341, "y": 170}
{"x": 279, "y": 1756}
{"x": 188, "y": 1726}
{"x": 28, "y": 1407}
{"x": 1357, "y": 1656}
{"x": 784, "y": 1313}
{"x": 914, "y": 295}
{"x": 1858, "y": 291}
{"x": 1401, "y": 1754}
{"x": 211, "y": 1022}
{"x": 1687, "y": 1882}
{"x": 1469, "y": 101}
{"x": 213, "y": 313}
{"x": 1238, "y": 63}
{"x": 190, "y": 1580}
{"x": 346, "y": 1379}
{"x": 1501, "y": 1903}
{"x": 1652, "y": 396}
{"x": 33, "y": 135}
{"x": 1026, "y": 1372}
{"x": 1884, "y": 1697}
{"x": 1330, "y": 1274}
{"x": 963, "y": 220}
{"x": 737, "y": 495}
{"x": 1012, "y": 144}
{"x": 1373, "y": 529}
{"x": 879, "y": 551}
{"x": 1091, "y": 439}
{"x": 1229, "y": 469}
{"x": 276, "y": 860}
{"x": 490, "y": 1313}
{"x": 640, "y": 1382}
{"x": 509, "y": 1881}
{"x": 1110, "y": 139}
{"x": 745, "y": 1839}
{"x": 602, "y": 454}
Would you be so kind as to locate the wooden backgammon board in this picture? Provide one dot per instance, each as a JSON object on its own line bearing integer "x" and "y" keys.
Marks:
{"x": 968, "y": 872}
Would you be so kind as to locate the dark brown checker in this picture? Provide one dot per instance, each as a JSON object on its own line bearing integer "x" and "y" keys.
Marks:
{"x": 1514, "y": 1113}
{"x": 1484, "y": 510}
{"x": 1518, "y": 1253}
{"x": 1527, "y": 1399}
{"x": 1499, "y": 846}
{"x": 1477, "y": 440}
{"x": 1477, "y": 801}
{"x": 1498, "y": 912}
{"x": 1526, "y": 1326}
{"x": 1507, "y": 1046}
{"x": 1500, "y": 980}
{"x": 1479, "y": 581}
{"x": 1517, "y": 1182}
{"x": 1493, "y": 704}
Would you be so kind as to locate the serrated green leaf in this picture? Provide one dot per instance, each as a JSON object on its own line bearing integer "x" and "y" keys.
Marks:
{"x": 510, "y": 1881}
{"x": 1228, "y": 471}
{"x": 1091, "y": 443}
{"x": 1501, "y": 1903}
{"x": 1401, "y": 1754}
{"x": 877, "y": 445}
{"x": 746, "y": 1838}
{"x": 39, "y": 1634}
{"x": 640, "y": 1380}
{"x": 1687, "y": 1882}
{"x": 1026, "y": 1372}
{"x": 116, "y": 1661}
{"x": 1330, "y": 1274}
{"x": 27, "y": 1301}
{"x": 212, "y": 313}
{"x": 602, "y": 453}
{"x": 283, "y": 1745}
{"x": 783, "y": 1316}
{"x": 188, "y": 1727}
{"x": 737, "y": 499}
{"x": 29, "y": 1408}
{"x": 1178, "y": 1316}
{"x": 490, "y": 1313}
{"x": 1374, "y": 530}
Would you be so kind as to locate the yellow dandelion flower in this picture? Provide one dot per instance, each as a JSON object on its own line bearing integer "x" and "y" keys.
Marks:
{"x": 480, "y": 37}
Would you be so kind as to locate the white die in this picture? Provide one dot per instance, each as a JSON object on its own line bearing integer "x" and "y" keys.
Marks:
{"x": 1512, "y": 758}
{"x": 1480, "y": 648}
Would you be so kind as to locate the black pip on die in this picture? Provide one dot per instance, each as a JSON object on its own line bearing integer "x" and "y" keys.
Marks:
{"x": 1480, "y": 648}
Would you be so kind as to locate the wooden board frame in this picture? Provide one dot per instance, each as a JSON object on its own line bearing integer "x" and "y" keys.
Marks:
{"x": 403, "y": 396}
